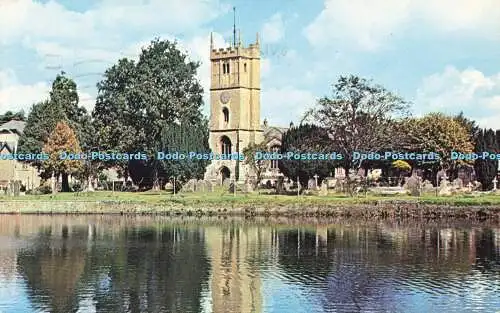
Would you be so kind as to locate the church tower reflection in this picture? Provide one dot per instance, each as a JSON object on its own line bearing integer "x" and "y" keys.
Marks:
{"x": 235, "y": 281}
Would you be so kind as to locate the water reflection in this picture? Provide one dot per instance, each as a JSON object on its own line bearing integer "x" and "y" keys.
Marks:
{"x": 115, "y": 264}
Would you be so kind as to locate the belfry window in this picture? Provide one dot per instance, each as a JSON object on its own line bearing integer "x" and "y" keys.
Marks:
{"x": 225, "y": 113}
{"x": 245, "y": 67}
{"x": 225, "y": 68}
{"x": 225, "y": 145}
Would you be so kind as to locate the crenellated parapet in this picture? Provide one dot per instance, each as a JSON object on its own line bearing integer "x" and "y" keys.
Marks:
{"x": 251, "y": 52}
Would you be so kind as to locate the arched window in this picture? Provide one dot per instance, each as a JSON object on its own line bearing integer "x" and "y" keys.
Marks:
{"x": 225, "y": 114}
{"x": 245, "y": 67}
{"x": 225, "y": 143}
{"x": 274, "y": 163}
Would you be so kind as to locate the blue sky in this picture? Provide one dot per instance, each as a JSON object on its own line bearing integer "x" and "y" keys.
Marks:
{"x": 440, "y": 55}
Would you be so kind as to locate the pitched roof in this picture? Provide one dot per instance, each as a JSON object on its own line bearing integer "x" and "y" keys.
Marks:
{"x": 271, "y": 130}
{"x": 14, "y": 125}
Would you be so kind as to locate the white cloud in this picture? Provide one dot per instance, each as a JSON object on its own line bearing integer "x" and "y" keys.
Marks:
{"x": 265, "y": 67}
{"x": 469, "y": 90}
{"x": 22, "y": 19}
{"x": 15, "y": 96}
{"x": 274, "y": 29}
{"x": 369, "y": 24}
{"x": 84, "y": 44}
{"x": 282, "y": 105}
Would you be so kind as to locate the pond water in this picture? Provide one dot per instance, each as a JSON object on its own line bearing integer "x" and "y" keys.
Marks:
{"x": 144, "y": 264}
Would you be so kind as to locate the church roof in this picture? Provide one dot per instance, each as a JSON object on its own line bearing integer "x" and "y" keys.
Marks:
{"x": 13, "y": 125}
{"x": 273, "y": 132}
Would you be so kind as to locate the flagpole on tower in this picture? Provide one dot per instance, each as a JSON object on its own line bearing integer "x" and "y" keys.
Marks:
{"x": 234, "y": 26}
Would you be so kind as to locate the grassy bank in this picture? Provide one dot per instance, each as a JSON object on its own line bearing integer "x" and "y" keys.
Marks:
{"x": 218, "y": 199}
{"x": 484, "y": 206}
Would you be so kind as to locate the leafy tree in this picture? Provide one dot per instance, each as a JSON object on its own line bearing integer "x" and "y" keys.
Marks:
{"x": 62, "y": 140}
{"x": 305, "y": 139}
{"x": 145, "y": 98}
{"x": 437, "y": 133}
{"x": 486, "y": 169}
{"x": 112, "y": 117}
{"x": 9, "y": 115}
{"x": 257, "y": 166}
{"x": 359, "y": 116}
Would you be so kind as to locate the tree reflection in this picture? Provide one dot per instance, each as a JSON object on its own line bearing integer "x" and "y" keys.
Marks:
{"x": 150, "y": 270}
{"x": 52, "y": 268}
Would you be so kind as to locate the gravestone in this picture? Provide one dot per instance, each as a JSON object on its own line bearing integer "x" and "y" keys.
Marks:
{"x": 280, "y": 185}
{"x": 323, "y": 190}
{"x": 17, "y": 188}
{"x": 444, "y": 188}
{"x": 189, "y": 186}
{"x": 311, "y": 184}
{"x": 10, "y": 189}
{"x": 316, "y": 181}
{"x": 477, "y": 186}
{"x": 427, "y": 186}
{"x": 200, "y": 186}
{"x": 458, "y": 183}
{"x": 413, "y": 185}
{"x": 210, "y": 186}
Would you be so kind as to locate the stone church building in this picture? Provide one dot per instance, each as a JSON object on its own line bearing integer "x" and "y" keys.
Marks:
{"x": 235, "y": 120}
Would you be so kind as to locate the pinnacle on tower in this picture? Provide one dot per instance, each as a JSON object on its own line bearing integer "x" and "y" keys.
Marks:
{"x": 257, "y": 42}
{"x": 211, "y": 40}
{"x": 239, "y": 38}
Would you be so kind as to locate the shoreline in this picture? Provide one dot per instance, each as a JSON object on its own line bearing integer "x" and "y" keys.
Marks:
{"x": 380, "y": 209}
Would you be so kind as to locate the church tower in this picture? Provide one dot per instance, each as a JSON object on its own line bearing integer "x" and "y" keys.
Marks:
{"x": 234, "y": 106}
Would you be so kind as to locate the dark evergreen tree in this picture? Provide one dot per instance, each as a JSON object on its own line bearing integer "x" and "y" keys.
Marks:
{"x": 497, "y": 136}
{"x": 486, "y": 169}
{"x": 302, "y": 140}
{"x": 41, "y": 122}
{"x": 182, "y": 139}
{"x": 469, "y": 124}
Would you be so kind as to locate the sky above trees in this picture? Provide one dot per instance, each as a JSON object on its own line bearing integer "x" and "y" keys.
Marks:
{"x": 442, "y": 56}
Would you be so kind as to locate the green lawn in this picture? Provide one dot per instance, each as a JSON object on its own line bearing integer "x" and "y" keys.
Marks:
{"x": 221, "y": 198}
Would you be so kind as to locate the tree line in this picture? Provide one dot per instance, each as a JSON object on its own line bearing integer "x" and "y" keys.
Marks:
{"x": 361, "y": 116}
{"x": 155, "y": 103}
